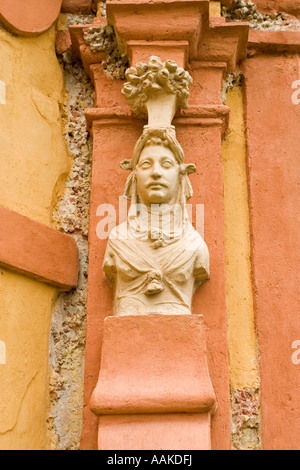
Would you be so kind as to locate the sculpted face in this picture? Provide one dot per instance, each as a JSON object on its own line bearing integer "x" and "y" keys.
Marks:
{"x": 157, "y": 175}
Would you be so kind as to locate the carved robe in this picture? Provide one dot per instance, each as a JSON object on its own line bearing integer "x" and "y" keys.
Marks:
{"x": 157, "y": 274}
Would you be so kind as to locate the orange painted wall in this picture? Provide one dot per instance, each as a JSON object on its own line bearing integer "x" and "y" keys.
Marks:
{"x": 272, "y": 122}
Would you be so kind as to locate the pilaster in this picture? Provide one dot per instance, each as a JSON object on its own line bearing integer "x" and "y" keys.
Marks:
{"x": 207, "y": 48}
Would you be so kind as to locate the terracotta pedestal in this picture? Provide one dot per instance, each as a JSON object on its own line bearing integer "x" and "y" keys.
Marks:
{"x": 154, "y": 389}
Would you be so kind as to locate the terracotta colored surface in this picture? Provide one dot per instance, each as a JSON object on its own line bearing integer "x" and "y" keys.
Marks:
{"x": 153, "y": 364}
{"x": 289, "y": 6}
{"x": 76, "y": 6}
{"x": 29, "y": 18}
{"x": 31, "y": 248}
{"x": 63, "y": 42}
{"x": 138, "y": 51}
{"x": 201, "y": 140}
{"x": 274, "y": 41}
{"x": 223, "y": 42}
{"x": 170, "y": 431}
{"x": 158, "y": 20}
{"x": 209, "y": 39}
{"x": 274, "y": 169}
{"x": 195, "y": 37}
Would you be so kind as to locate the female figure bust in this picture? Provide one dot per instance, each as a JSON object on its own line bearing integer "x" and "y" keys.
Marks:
{"x": 156, "y": 259}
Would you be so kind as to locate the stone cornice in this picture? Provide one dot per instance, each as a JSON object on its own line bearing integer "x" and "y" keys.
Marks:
{"x": 274, "y": 41}
{"x": 213, "y": 115}
{"x": 76, "y": 6}
{"x": 35, "y": 250}
{"x": 175, "y": 29}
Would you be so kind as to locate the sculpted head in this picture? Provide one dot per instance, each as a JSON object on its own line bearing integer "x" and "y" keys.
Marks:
{"x": 159, "y": 175}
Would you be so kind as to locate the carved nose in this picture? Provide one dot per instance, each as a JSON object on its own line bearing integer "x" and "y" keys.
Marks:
{"x": 156, "y": 173}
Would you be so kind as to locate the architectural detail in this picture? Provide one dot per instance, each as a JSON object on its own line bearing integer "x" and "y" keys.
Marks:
{"x": 167, "y": 399}
{"x": 157, "y": 364}
{"x": 207, "y": 47}
{"x": 101, "y": 38}
{"x": 76, "y": 6}
{"x": 159, "y": 82}
{"x": 156, "y": 259}
{"x": 35, "y": 17}
{"x": 42, "y": 253}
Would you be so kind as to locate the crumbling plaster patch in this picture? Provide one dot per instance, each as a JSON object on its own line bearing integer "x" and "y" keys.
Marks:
{"x": 103, "y": 38}
{"x": 71, "y": 216}
{"x": 246, "y": 434}
{"x": 241, "y": 10}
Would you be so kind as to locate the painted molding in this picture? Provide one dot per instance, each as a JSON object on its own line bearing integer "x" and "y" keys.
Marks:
{"x": 29, "y": 18}
{"x": 76, "y": 6}
{"x": 35, "y": 250}
{"x": 274, "y": 41}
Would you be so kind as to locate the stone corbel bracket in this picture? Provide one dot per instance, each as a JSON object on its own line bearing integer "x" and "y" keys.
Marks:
{"x": 184, "y": 28}
{"x": 179, "y": 30}
{"x": 37, "y": 251}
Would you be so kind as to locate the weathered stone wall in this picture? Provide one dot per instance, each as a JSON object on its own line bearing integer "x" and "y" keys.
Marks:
{"x": 67, "y": 337}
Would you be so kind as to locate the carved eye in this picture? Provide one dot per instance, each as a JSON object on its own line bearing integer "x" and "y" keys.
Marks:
{"x": 145, "y": 164}
{"x": 167, "y": 164}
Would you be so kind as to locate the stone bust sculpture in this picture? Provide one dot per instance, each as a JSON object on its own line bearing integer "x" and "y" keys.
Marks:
{"x": 156, "y": 259}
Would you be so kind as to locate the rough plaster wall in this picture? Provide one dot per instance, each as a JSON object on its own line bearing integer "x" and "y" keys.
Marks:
{"x": 246, "y": 419}
{"x": 67, "y": 337}
{"x": 104, "y": 38}
{"x": 245, "y": 402}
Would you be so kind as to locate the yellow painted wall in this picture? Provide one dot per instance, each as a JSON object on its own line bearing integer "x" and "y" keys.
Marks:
{"x": 240, "y": 312}
{"x": 33, "y": 166}
{"x": 33, "y": 160}
{"x": 24, "y": 327}
{"x": 214, "y": 8}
